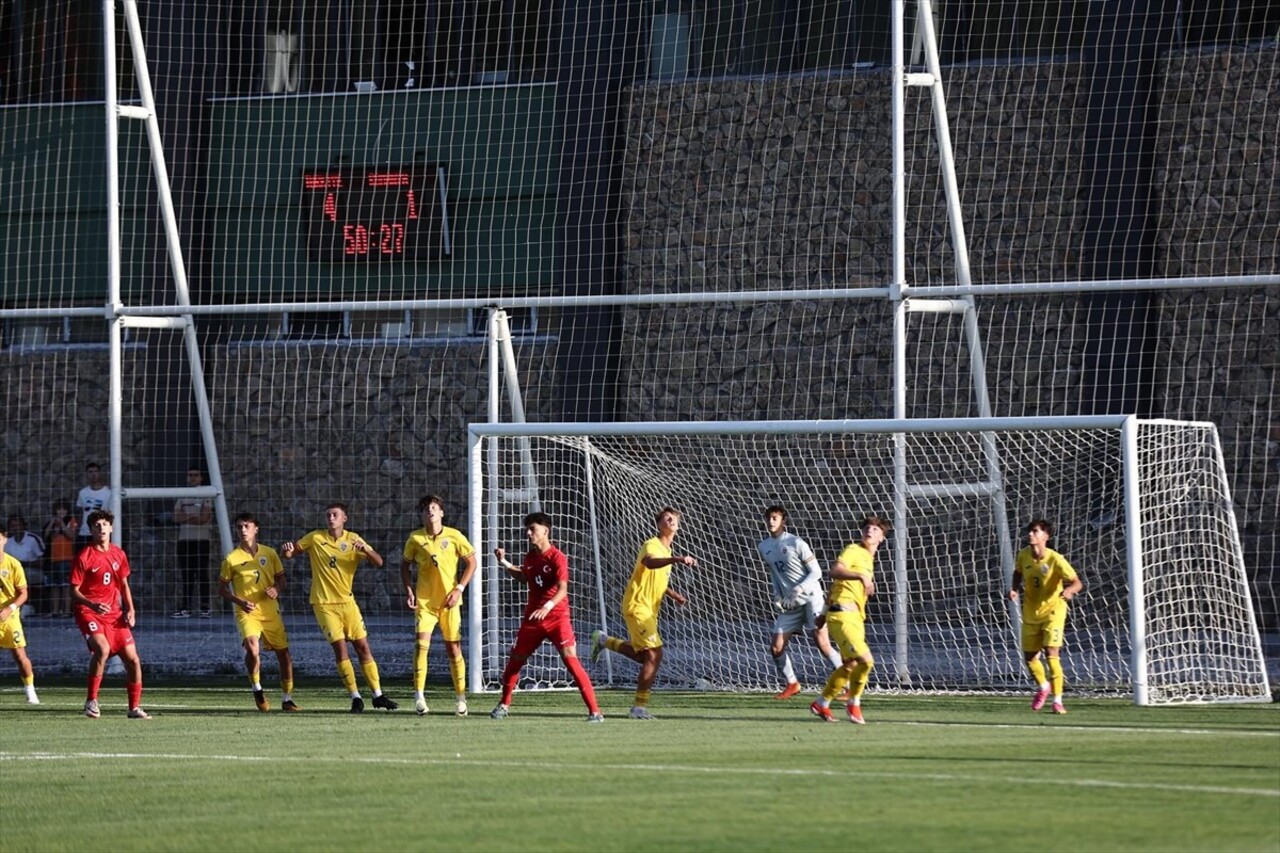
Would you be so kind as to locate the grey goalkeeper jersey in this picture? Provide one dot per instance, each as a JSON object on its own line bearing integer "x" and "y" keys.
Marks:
{"x": 792, "y": 565}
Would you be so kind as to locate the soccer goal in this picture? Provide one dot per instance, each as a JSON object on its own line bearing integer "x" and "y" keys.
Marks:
{"x": 1141, "y": 508}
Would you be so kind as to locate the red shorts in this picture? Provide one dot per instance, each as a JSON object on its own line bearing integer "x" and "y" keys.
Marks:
{"x": 116, "y": 631}
{"x": 532, "y": 634}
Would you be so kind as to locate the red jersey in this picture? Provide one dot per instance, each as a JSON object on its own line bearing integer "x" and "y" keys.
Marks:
{"x": 543, "y": 573}
{"x": 98, "y": 574}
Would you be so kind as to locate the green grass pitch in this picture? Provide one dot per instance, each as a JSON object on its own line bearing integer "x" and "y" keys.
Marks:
{"x": 713, "y": 772}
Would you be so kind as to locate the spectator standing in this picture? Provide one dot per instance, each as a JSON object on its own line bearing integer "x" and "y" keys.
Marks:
{"x": 60, "y": 540}
{"x": 195, "y": 523}
{"x": 95, "y": 496}
{"x": 25, "y": 547}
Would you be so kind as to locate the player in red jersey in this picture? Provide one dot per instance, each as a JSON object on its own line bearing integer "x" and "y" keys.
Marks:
{"x": 546, "y": 617}
{"x": 104, "y": 612}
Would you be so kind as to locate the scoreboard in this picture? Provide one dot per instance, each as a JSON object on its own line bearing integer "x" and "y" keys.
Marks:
{"x": 376, "y": 213}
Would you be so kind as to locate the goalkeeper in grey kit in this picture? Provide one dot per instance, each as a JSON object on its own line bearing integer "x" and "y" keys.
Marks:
{"x": 796, "y": 581}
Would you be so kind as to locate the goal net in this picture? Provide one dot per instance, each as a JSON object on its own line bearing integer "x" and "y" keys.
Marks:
{"x": 1141, "y": 509}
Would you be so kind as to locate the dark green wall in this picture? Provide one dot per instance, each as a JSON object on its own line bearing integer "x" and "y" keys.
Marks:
{"x": 499, "y": 145}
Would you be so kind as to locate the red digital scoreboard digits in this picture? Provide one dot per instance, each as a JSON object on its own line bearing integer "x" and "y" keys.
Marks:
{"x": 375, "y": 213}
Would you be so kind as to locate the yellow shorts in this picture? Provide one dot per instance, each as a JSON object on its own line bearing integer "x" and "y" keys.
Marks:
{"x": 1043, "y": 635}
{"x": 642, "y": 630}
{"x": 849, "y": 634}
{"x": 340, "y": 621}
{"x": 11, "y": 633}
{"x": 428, "y": 615}
{"x": 266, "y": 625}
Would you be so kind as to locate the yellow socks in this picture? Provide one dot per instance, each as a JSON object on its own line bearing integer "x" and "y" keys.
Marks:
{"x": 1055, "y": 676}
{"x": 348, "y": 675}
{"x": 420, "y": 665}
{"x": 857, "y": 684}
{"x": 370, "y": 669}
{"x": 1036, "y": 667}
{"x": 458, "y": 669}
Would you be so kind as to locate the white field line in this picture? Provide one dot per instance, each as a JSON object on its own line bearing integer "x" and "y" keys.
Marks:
{"x": 944, "y": 778}
{"x": 1120, "y": 729}
{"x": 109, "y": 708}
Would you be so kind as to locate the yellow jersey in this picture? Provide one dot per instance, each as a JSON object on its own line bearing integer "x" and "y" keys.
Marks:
{"x": 12, "y": 577}
{"x": 647, "y": 586}
{"x": 437, "y": 558}
{"x": 856, "y": 558}
{"x": 333, "y": 565}
{"x": 251, "y": 574}
{"x": 1042, "y": 583}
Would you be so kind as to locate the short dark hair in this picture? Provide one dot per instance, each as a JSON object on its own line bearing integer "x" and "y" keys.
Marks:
{"x": 877, "y": 520}
{"x": 428, "y": 500}
{"x": 538, "y": 518}
{"x": 247, "y": 516}
{"x": 1043, "y": 524}
{"x": 99, "y": 515}
{"x": 92, "y": 465}
{"x": 778, "y": 509}
{"x": 667, "y": 509}
{"x": 338, "y": 505}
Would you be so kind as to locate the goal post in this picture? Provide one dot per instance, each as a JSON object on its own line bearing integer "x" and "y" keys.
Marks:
{"x": 1141, "y": 509}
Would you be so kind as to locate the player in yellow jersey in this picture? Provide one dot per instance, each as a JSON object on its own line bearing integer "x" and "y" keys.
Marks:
{"x": 852, "y": 583}
{"x": 436, "y": 599}
{"x": 640, "y": 605}
{"x": 253, "y": 579}
{"x": 335, "y": 553}
{"x": 1045, "y": 581}
{"x": 13, "y": 594}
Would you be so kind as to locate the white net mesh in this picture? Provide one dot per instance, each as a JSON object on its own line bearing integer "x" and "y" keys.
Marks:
{"x": 940, "y": 620}
{"x": 596, "y": 149}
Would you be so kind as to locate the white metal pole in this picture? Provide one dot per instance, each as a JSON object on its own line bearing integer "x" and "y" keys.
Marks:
{"x": 942, "y": 129}
{"x": 491, "y": 497}
{"x": 516, "y": 400}
{"x": 1133, "y": 534}
{"x": 475, "y": 593}
{"x": 115, "y": 330}
{"x": 589, "y": 466}
{"x": 898, "y": 290}
{"x": 1242, "y": 573}
{"x": 177, "y": 265}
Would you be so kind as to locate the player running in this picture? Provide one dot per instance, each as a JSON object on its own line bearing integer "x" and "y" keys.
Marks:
{"x": 852, "y": 584}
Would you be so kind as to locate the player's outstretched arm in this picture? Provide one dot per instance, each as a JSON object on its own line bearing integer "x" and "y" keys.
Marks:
{"x": 507, "y": 566}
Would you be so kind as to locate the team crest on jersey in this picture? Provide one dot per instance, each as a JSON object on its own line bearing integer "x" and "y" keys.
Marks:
{"x": 1044, "y": 568}
{"x": 4, "y": 573}
{"x": 262, "y": 561}
{"x": 342, "y": 546}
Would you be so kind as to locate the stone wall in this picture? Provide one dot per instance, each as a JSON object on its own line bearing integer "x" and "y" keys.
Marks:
{"x": 780, "y": 185}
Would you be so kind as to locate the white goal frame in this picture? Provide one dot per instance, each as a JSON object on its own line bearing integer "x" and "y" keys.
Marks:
{"x": 487, "y": 493}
